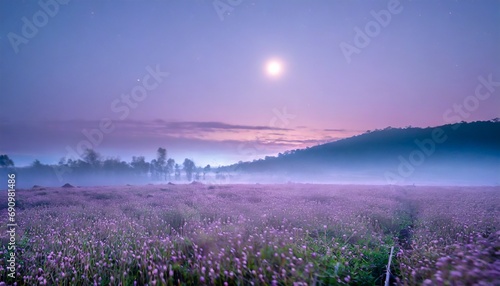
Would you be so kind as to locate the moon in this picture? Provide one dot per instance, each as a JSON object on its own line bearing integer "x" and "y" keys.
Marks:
{"x": 274, "y": 68}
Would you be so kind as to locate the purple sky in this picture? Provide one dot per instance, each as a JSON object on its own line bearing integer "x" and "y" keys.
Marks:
{"x": 207, "y": 95}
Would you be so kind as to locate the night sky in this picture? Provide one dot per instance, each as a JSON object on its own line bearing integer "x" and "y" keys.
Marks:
{"x": 234, "y": 80}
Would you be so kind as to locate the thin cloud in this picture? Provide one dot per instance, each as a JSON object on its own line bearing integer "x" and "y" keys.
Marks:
{"x": 138, "y": 136}
{"x": 338, "y": 130}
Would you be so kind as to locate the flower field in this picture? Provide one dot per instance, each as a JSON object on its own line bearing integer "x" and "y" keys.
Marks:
{"x": 289, "y": 234}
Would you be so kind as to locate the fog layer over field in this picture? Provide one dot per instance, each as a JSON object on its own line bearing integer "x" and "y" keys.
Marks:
{"x": 441, "y": 175}
{"x": 458, "y": 154}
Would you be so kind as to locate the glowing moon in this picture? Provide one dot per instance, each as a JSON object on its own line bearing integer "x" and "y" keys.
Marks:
{"x": 274, "y": 68}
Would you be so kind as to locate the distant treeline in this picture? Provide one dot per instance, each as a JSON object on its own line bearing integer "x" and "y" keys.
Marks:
{"x": 93, "y": 169}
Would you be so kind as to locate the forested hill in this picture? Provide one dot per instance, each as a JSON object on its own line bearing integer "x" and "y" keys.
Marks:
{"x": 458, "y": 153}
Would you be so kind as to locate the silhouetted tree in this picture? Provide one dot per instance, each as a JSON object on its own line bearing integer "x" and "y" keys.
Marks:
{"x": 153, "y": 168}
{"x": 161, "y": 162}
{"x": 79, "y": 165}
{"x": 36, "y": 164}
{"x": 170, "y": 167}
{"x": 62, "y": 170}
{"x": 139, "y": 165}
{"x": 206, "y": 170}
{"x": 177, "y": 171}
{"x": 197, "y": 173}
{"x": 189, "y": 167}
{"x": 39, "y": 167}
{"x": 91, "y": 157}
{"x": 115, "y": 166}
{"x": 5, "y": 161}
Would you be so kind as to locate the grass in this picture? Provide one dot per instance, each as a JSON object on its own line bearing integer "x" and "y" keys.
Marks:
{"x": 256, "y": 234}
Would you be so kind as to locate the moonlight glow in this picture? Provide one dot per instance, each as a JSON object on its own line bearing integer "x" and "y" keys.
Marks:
{"x": 274, "y": 68}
